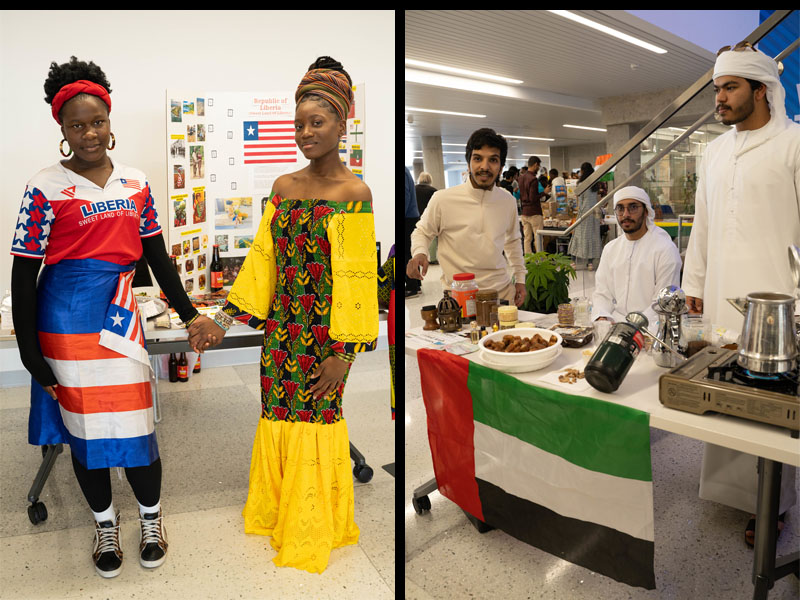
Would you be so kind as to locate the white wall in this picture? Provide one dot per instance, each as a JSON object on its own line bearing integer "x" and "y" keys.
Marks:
{"x": 145, "y": 52}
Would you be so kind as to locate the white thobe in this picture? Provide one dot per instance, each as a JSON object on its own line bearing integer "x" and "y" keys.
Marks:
{"x": 474, "y": 228}
{"x": 747, "y": 212}
{"x": 631, "y": 273}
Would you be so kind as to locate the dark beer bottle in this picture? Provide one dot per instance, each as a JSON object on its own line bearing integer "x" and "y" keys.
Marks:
{"x": 173, "y": 367}
{"x": 197, "y": 365}
{"x": 216, "y": 270}
{"x": 183, "y": 368}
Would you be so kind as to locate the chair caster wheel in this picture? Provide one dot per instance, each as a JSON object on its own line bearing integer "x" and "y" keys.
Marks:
{"x": 363, "y": 473}
{"x": 37, "y": 513}
{"x": 421, "y": 505}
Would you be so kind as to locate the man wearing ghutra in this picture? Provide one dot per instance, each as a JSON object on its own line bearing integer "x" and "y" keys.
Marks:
{"x": 747, "y": 213}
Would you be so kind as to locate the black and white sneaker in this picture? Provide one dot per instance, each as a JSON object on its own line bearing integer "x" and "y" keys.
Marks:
{"x": 153, "y": 543}
{"x": 107, "y": 554}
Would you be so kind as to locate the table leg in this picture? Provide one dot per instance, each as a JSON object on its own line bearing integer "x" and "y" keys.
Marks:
{"x": 154, "y": 362}
{"x": 765, "y": 567}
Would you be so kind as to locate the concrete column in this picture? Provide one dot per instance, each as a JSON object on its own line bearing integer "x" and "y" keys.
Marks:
{"x": 616, "y": 137}
{"x": 433, "y": 161}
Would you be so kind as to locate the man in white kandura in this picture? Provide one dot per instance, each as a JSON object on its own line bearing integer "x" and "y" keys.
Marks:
{"x": 635, "y": 266}
{"x": 747, "y": 212}
{"x": 476, "y": 222}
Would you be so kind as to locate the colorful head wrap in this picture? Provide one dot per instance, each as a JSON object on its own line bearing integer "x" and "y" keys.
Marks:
{"x": 82, "y": 86}
{"x": 331, "y": 85}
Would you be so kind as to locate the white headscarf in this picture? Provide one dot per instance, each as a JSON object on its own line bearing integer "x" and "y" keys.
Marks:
{"x": 754, "y": 64}
{"x": 632, "y": 192}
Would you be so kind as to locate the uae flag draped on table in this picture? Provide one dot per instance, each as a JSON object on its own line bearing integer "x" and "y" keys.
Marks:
{"x": 568, "y": 474}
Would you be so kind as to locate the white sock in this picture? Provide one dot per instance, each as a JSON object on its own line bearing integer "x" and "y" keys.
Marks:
{"x": 108, "y": 514}
{"x": 149, "y": 510}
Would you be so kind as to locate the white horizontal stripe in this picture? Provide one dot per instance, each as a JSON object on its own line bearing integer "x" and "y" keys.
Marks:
{"x": 548, "y": 480}
{"x": 109, "y": 425}
{"x": 92, "y": 373}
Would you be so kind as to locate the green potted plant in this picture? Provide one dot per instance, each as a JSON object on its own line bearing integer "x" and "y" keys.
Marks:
{"x": 547, "y": 281}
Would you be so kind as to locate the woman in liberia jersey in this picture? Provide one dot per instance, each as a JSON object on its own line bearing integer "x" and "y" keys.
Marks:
{"x": 310, "y": 281}
{"x": 78, "y": 329}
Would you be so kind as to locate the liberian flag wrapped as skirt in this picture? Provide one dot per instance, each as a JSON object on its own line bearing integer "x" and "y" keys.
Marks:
{"x": 568, "y": 474}
{"x": 105, "y": 408}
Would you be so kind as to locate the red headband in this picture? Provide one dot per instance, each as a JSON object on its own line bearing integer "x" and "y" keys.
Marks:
{"x": 82, "y": 86}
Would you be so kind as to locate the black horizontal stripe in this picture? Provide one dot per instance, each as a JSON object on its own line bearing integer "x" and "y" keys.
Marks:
{"x": 596, "y": 547}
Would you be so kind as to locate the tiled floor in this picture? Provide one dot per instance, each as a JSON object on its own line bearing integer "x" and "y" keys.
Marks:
{"x": 205, "y": 438}
{"x": 699, "y": 549}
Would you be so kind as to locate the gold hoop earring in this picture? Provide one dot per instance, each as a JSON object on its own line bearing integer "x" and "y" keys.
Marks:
{"x": 61, "y": 149}
{"x": 113, "y": 142}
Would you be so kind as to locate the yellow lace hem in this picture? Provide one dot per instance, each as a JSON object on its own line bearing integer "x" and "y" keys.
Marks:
{"x": 301, "y": 491}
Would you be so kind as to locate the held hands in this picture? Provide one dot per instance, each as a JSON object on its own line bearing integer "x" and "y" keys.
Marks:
{"x": 204, "y": 333}
{"x": 331, "y": 373}
{"x": 412, "y": 270}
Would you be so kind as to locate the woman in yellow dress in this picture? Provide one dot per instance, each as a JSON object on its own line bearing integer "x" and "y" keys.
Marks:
{"x": 310, "y": 281}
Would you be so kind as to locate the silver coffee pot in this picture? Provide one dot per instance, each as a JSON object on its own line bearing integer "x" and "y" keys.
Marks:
{"x": 769, "y": 341}
{"x": 670, "y": 305}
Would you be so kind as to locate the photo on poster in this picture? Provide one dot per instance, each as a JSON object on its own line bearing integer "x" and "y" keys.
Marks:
{"x": 196, "y": 244}
{"x": 188, "y": 107}
{"x": 191, "y": 133}
{"x": 177, "y": 148}
{"x": 187, "y": 247}
{"x": 230, "y": 268}
{"x": 222, "y": 242}
{"x": 176, "y": 249}
{"x": 196, "y": 162}
{"x": 233, "y": 213}
{"x": 242, "y": 241}
{"x": 175, "y": 111}
{"x": 201, "y": 282}
{"x": 201, "y": 107}
{"x": 190, "y": 266}
{"x": 201, "y": 262}
{"x": 178, "y": 177}
{"x": 201, "y": 132}
{"x": 188, "y": 285}
{"x": 179, "y": 210}
{"x": 199, "y": 205}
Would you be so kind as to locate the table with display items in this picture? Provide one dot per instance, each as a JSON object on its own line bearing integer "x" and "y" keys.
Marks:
{"x": 640, "y": 391}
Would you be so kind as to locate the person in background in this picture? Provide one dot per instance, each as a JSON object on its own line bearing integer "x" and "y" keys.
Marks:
{"x": 739, "y": 246}
{"x": 475, "y": 223}
{"x": 531, "y": 218}
{"x": 89, "y": 219}
{"x": 634, "y": 266}
{"x": 424, "y": 190}
{"x": 585, "y": 242}
{"x": 507, "y": 182}
{"x": 413, "y": 285}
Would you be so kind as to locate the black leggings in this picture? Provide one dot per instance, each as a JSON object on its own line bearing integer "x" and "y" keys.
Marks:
{"x": 96, "y": 484}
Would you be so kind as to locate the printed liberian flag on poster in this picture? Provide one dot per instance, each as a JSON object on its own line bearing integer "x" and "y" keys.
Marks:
{"x": 568, "y": 474}
{"x": 268, "y": 142}
{"x": 122, "y": 330}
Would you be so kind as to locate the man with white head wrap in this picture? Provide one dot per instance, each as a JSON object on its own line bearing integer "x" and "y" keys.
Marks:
{"x": 635, "y": 266}
{"x": 747, "y": 212}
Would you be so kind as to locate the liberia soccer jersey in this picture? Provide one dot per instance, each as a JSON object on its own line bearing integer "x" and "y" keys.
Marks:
{"x": 88, "y": 324}
{"x": 66, "y": 216}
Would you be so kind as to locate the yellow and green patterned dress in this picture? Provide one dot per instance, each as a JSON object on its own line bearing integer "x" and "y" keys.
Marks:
{"x": 310, "y": 281}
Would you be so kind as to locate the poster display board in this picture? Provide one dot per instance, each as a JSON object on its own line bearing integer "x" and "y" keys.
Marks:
{"x": 224, "y": 151}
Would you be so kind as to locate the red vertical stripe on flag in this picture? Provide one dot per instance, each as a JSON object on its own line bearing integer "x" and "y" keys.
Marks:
{"x": 451, "y": 429}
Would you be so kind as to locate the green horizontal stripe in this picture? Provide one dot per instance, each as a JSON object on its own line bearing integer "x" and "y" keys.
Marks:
{"x": 594, "y": 434}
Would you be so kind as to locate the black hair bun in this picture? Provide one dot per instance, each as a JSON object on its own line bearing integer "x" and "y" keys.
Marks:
{"x": 326, "y": 62}
{"x": 61, "y": 75}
